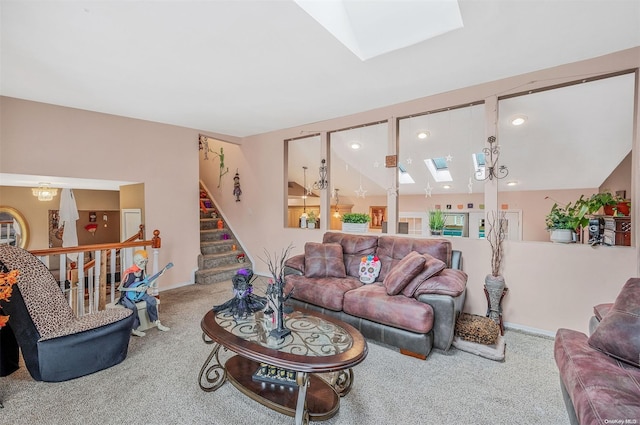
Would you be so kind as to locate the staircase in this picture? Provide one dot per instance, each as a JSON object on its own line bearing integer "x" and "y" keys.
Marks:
{"x": 218, "y": 260}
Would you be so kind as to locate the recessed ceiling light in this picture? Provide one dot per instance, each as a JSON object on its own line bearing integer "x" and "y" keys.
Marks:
{"x": 518, "y": 120}
{"x": 355, "y": 145}
{"x": 512, "y": 183}
{"x": 446, "y": 186}
{"x": 423, "y": 135}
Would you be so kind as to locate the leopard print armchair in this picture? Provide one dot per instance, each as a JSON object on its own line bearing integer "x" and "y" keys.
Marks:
{"x": 57, "y": 345}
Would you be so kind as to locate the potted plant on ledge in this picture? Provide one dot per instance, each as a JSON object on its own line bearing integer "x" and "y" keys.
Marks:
{"x": 436, "y": 222}
{"x": 355, "y": 222}
{"x": 311, "y": 220}
{"x": 564, "y": 221}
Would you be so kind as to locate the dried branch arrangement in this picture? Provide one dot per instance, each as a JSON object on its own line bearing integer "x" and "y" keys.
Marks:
{"x": 496, "y": 223}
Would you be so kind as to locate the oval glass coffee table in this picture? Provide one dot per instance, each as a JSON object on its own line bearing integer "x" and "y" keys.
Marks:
{"x": 282, "y": 375}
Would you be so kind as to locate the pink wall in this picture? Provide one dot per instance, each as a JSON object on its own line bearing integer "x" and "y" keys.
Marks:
{"x": 550, "y": 285}
{"x": 43, "y": 139}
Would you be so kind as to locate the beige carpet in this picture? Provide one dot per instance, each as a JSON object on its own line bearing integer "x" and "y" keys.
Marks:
{"x": 157, "y": 383}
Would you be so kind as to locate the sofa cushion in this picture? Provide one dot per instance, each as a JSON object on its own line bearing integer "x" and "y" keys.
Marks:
{"x": 448, "y": 282}
{"x": 323, "y": 260}
{"x": 601, "y": 388}
{"x": 327, "y": 292}
{"x": 432, "y": 266}
{"x": 354, "y": 247}
{"x": 618, "y": 333}
{"x": 392, "y": 249}
{"x": 373, "y": 303}
{"x": 403, "y": 272}
{"x": 601, "y": 310}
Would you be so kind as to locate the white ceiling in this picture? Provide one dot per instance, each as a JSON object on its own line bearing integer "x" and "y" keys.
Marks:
{"x": 248, "y": 67}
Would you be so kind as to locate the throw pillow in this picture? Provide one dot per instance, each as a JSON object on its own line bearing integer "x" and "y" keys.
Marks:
{"x": 403, "y": 272}
{"x": 369, "y": 268}
{"x": 618, "y": 334}
{"x": 323, "y": 260}
{"x": 432, "y": 267}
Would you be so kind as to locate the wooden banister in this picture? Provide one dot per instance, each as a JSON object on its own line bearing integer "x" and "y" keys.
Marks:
{"x": 135, "y": 241}
{"x": 129, "y": 243}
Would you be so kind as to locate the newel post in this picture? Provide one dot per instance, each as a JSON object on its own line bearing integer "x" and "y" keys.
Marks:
{"x": 156, "y": 243}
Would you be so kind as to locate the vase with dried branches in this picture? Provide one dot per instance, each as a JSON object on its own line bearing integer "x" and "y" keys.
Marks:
{"x": 494, "y": 284}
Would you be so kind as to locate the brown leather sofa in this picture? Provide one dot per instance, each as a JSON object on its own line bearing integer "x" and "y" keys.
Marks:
{"x": 414, "y": 302}
{"x": 600, "y": 374}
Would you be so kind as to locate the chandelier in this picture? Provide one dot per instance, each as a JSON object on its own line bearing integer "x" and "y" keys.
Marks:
{"x": 322, "y": 182}
{"x": 44, "y": 192}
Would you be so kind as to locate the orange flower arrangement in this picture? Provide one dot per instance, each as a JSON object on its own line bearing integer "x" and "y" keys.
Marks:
{"x": 7, "y": 280}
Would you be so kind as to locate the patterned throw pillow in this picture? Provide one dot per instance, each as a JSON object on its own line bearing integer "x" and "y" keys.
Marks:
{"x": 323, "y": 260}
{"x": 369, "y": 268}
{"x": 403, "y": 273}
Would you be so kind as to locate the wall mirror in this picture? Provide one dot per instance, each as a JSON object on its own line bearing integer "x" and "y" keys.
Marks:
{"x": 436, "y": 170}
{"x": 359, "y": 181}
{"x": 572, "y": 140}
{"x": 13, "y": 228}
{"x": 303, "y": 200}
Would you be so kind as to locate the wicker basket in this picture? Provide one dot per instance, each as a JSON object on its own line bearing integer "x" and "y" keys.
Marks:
{"x": 474, "y": 328}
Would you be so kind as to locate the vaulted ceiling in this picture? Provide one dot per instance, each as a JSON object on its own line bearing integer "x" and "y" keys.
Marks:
{"x": 248, "y": 67}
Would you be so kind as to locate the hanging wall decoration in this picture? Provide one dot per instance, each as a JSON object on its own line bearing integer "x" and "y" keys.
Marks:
{"x": 203, "y": 145}
{"x": 236, "y": 186}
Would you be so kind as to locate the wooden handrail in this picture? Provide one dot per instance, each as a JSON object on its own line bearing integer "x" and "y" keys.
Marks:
{"x": 155, "y": 242}
{"x": 137, "y": 236}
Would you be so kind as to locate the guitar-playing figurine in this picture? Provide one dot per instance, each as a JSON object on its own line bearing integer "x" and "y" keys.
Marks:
{"x": 133, "y": 288}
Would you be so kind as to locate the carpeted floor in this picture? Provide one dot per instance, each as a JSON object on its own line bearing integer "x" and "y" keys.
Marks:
{"x": 157, "y": 383}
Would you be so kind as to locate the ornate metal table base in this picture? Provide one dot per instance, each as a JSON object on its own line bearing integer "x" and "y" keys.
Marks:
{"x": 284, "y": 379}
{"x": 212, "y": 371}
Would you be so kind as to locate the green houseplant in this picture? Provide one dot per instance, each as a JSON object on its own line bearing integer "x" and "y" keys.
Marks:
{"x": 355, "y": 222}
{"x": 564, "y": 221}
{"x": 311, "y": 220}
{"x": 436, "y": 221}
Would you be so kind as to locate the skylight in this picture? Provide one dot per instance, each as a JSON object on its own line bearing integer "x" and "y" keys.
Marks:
{"x": 371, "y": 29}
{"x": 479, "y": 165}
{"x": 403, "y": 176}
{"x": 439, "y": 169}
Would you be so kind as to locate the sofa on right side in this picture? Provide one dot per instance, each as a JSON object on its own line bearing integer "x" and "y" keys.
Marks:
{"x": 600, "y": 374}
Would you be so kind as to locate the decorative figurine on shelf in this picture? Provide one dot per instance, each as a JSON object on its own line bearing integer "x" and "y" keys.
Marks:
{"x": 236, "y": 186}
{"x": 244, "y": 301}
{"x": 275, "y": 292}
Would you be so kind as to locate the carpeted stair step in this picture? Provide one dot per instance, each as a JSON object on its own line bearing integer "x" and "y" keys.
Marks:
{"x": 216, "y": 247}
{"x": 212, "y": 235}
{"x": 219, "y": 274}
{"x": 209, "y": 223}
{"x": 224, "y": 258}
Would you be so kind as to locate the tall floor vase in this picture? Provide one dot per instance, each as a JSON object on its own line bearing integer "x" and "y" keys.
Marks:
{"x": 494, "y": 287}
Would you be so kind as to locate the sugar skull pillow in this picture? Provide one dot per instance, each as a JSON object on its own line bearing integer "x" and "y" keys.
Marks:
{"x": 369, "y": 269}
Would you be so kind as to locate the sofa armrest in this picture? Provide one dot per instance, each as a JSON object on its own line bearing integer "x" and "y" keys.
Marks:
{"x": 456, "y": 259}
{"x": 294, "y": 265}
{"x": 446, "y": 310}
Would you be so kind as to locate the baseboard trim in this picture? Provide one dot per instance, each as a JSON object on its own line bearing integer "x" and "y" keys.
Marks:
{"x": 529, "y": 330}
